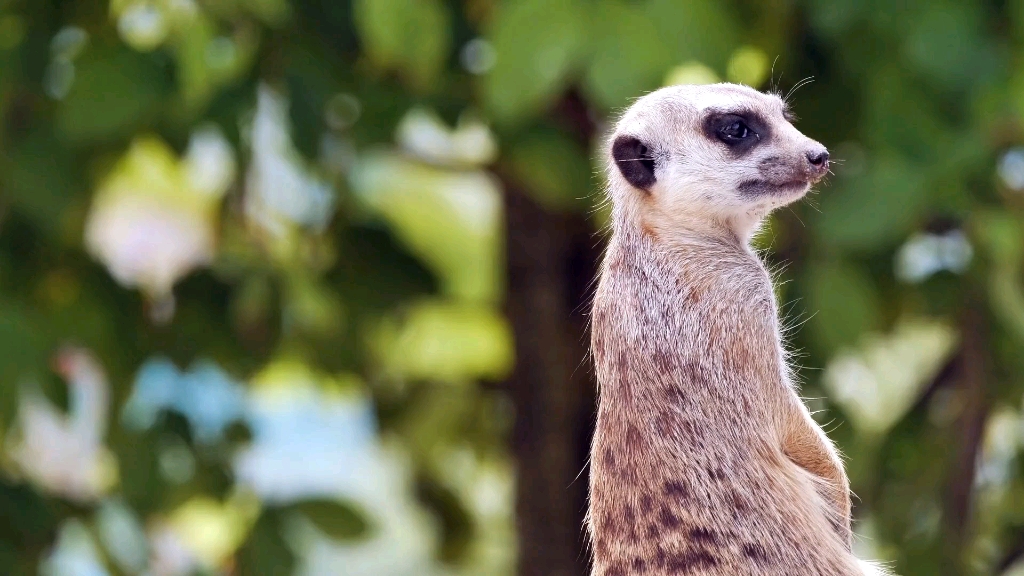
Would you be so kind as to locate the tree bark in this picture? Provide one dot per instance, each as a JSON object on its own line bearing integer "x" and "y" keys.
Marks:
{"x": 973, "y": 384}
{"x": 551, "y": 263}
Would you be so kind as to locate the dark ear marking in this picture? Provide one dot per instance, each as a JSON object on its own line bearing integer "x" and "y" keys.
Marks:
{"x": 635, "y": 161}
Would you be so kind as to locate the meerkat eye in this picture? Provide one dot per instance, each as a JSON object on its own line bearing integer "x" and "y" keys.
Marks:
{"x": 740, "y": 132}
{"x": 735, "y": 130}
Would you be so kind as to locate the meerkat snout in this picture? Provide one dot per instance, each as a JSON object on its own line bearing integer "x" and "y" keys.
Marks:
{"x": 720, "y": 153}
{"x": 819, "y": 159}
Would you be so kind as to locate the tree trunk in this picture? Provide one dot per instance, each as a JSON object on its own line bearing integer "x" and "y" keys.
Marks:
{"x": 551, "y": 263}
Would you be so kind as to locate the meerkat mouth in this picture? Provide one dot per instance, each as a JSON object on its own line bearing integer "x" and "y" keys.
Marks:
{"x": 764, "y": 187}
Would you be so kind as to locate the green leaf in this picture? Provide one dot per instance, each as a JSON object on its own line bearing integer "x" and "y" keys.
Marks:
{"x": 38, "y": 182}
{"x": 458, "y": 529}
{"x": 29, "y": 520}
{"x": 833, "y": 17}
{"x": 114, "y": 92}
{"x": 272, "y": 12}
{"x": 195, "y": 77}
{"x": 410, "y": 36}
{"x": 265, "y": 552}
{"x": 876, "y": 208}
{"x": 24, "y": 345}
{"x": 451, "y": 219}
{"x": 445, "y": 341}
{"x": 554, "y": 170}
{"x": 339, "y": 520}
{"x": 701, "y": 30}
{"x": 899, "y": 115}
{"x": 310, "y": 306}
{"x": 630, "y": 57}
{"x": 877, "y": 382}
{"x": 946, "y": 44}
{"x": 844, "y": 302}
{"x": 1000, "y": 235}
{"x": 1002, "y": 238}
{"x": 537, "y": 44}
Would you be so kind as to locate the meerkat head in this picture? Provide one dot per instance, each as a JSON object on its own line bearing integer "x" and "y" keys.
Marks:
{"x": 721, "y": 154}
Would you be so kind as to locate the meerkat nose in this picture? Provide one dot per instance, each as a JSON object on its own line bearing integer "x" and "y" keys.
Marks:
{"x": 818, "y": 159}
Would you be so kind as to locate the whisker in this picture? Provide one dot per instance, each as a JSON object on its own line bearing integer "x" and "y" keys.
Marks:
{"x": 797, "y": 86}
{"x": 773, "y": 85}
{"x": 797, "y": 216}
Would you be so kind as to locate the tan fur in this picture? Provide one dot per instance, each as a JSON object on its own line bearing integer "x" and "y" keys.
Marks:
{"x": 704, "y": 461}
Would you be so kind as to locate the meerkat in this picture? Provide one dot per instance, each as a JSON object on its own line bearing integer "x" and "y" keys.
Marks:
{"x": 704, "y": 459}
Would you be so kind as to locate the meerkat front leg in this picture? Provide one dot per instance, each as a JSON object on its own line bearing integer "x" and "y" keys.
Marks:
{"x": 807, "y": 446}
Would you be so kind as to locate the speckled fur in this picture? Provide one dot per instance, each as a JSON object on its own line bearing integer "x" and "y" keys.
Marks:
{"x": 704, "y": 461}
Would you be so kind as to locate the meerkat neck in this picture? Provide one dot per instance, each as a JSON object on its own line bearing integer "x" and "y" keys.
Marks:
{"x": 688, "y": 309}
{"x": 698, "y": 228}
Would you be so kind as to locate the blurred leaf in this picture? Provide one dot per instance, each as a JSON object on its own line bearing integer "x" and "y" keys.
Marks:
{"x": 446, "y": 341}
{"x": 844, "y": 303}
{"x": 748, "y": 65}
{"x": 212, "y": 530}
{"x": 900, "y": 117}
{"x": 875, "y": 208}
{"x": 26, "y": 349}
{"x": 12, "y": 31}
{"x": 691, "y": 72}
{"x": 411, "y": 36}
{"x": 29, "y": 520}
{"x": 374, "y": 273}
{"x": 142, "y": 485}
{"x": 835, "y": 16}
{"x": 702, "y": 30}
{"x": 458, "y": 524}
{"x": 537, "y": 44}
{"x": 17, "y": 561}
{"x": 629, "y": 54}
{"x": 266, "y": 553}
{"x": 945, "y": 43}
{"x": 450, "y": 219}
{"x": 434, "y": 415}
{"x": 425, "y": 135}
{"x": 1002, "y": 237}
{"x": 310, "y": 306}
{"x": 338, "y": 520}
{"x": 553, "y": 169}
{"x": 37, "y": 182}
{"x": 115, "y": 90}
{"x": 273, "y": 12}
{"x": 880, "y": 380}
{"x": 206, "y": 61}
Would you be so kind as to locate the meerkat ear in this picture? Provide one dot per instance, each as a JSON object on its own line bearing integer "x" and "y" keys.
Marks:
{"x": 635, "y": 161}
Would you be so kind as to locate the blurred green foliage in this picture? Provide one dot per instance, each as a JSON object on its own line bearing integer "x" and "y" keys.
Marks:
{"x": 304, "y": 204}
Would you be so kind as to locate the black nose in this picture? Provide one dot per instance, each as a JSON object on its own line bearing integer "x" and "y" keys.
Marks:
{"x": 818, "y": 158}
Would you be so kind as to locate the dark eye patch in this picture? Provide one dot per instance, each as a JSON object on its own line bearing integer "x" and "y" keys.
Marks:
{"x": 740, "y": 131}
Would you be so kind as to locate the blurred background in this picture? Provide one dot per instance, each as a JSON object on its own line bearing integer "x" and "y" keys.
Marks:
{"x": 297, "y": 287}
